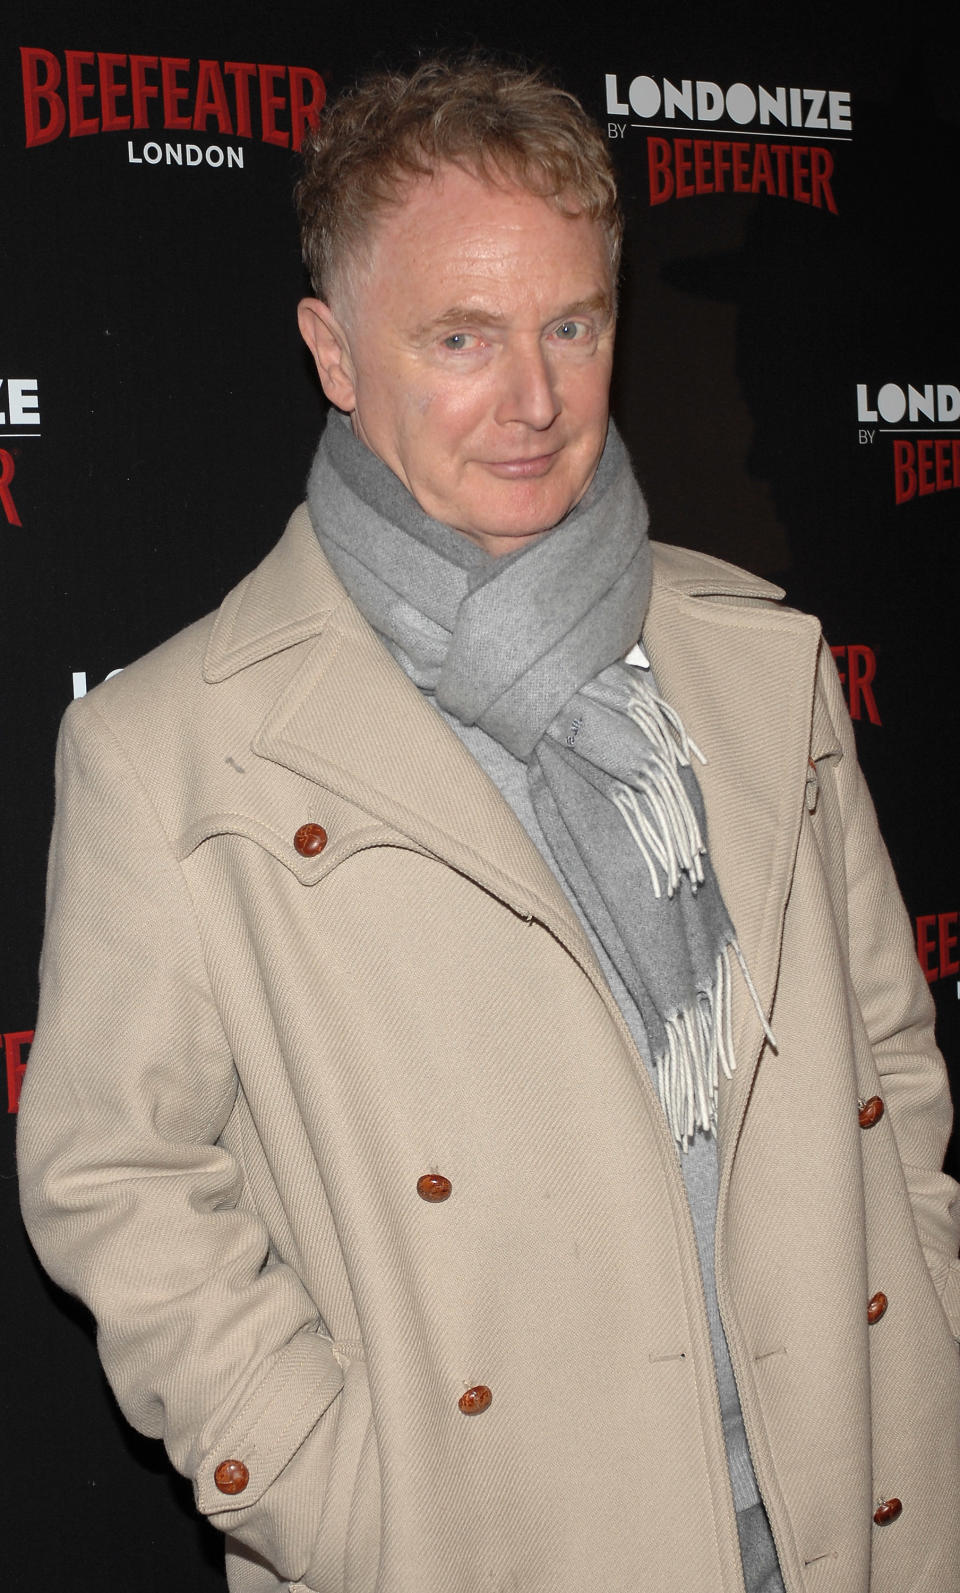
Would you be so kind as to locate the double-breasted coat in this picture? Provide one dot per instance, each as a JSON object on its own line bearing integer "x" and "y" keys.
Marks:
{"x": 510, "y": 1388}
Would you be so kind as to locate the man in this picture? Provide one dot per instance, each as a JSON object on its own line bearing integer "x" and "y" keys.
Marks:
{"x": 507, "y": 979}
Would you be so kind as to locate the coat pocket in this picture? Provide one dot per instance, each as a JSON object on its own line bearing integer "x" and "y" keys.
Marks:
{"x": 346, "y": 1554}
{"x": 275, "y": 1453}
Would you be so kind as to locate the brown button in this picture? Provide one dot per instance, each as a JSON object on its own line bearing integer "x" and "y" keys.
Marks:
{"x": 876, "y": 1307}
{"x": 231, "y": 1476}
{"x": 870, "y": 1111}
{"x": 887, "y": 1510}
{"x": 434, "y": 1187}
{"x": 310, "y": 839}
{"x": 475, "y": 1400}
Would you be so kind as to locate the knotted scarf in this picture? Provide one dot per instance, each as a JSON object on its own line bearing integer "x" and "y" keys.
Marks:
{"x": 528, "y": 646}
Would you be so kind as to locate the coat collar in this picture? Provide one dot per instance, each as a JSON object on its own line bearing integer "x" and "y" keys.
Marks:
{"x": 351, "y": 721}
{"x": 740, "y": 672}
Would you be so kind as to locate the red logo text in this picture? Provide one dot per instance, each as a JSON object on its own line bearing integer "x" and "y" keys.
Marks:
{"x": 680, "y": 168}
{"x": 7, "y": 471}
{"x": 931, "y": 464}
{"x": 102, "y": 92}
{"x": 857, "y": 667}
{"x": 14, "y": 1045}
{"x": 937, "y": 945}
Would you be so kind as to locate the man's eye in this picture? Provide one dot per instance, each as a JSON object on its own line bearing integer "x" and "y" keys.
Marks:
{"x": 459, "y": 341}
{"x": 569, "y": 331}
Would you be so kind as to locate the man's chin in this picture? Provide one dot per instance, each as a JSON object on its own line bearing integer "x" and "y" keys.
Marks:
{"x": 514, "y": 521}
{"x": 499, "y": 538}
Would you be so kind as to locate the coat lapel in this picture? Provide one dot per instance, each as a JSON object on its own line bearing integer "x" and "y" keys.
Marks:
{"x": 741, "y": 674}
{"x": 351, "y": 721}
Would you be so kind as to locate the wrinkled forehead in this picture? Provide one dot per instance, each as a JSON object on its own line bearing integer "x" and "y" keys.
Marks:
{"x": 440, "y": 199}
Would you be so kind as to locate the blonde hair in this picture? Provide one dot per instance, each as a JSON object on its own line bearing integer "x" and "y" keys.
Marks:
{"x": 501, "y": 123}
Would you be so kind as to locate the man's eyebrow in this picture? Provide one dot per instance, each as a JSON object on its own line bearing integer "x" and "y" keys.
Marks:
{"x": 459, "y": 315}
{"x": 596, "y": 304}
{"x": 479, "y": 315}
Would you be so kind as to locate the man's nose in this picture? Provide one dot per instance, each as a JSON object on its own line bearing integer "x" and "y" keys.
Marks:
{"x": 528, "y": 391}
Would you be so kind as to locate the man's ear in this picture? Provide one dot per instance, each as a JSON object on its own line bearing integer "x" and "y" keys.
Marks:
{"x": 327, "y": 340}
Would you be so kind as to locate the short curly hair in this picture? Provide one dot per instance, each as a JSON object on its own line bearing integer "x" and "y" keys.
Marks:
{"x": 499, "y": 122}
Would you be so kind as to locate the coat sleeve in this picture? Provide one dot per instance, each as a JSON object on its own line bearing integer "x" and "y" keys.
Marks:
{"x": 131, "y": 1203}
{"x": 898, "y": 1012}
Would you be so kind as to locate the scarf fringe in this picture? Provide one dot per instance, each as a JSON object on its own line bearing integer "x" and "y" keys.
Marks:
{"x": 699, "y": 1045}
{"x": 663, "y": 823}
{"x": 656, "y": 808}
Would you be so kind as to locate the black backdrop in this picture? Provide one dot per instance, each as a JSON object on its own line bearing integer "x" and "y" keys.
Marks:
{"x": 788, "y": 376}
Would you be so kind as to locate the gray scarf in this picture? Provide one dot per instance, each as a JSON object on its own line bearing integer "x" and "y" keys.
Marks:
{"x": 528, "y": 647}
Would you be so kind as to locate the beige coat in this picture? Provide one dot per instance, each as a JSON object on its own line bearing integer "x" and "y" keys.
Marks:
{"x": 284, "y": 1044}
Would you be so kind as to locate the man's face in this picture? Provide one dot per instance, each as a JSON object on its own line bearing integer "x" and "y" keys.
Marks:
{"x": 474, "y": 354}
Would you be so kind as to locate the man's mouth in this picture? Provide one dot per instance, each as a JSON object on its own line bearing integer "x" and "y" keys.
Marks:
{"x": 517, "y": 469}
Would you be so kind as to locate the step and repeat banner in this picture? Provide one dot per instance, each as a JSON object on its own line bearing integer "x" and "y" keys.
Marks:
{"x": 788, "y": 382}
